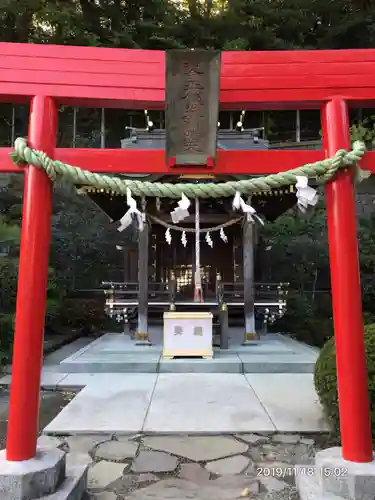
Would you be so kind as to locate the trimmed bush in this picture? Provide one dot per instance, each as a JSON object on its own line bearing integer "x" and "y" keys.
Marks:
{"x": 325, "y": 377}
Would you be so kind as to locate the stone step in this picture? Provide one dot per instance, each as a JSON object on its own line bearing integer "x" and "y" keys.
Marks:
{"x": 283, "y": 364}
{"x": 73, "y": 487}
{"x": 222, "y": 364}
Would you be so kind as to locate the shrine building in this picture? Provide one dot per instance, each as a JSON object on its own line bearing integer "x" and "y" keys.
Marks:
{"x": 231, "y": 260}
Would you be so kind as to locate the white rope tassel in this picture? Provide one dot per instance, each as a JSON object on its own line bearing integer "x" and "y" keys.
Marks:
{"x": 198, "y": 297}
{"x": 223, "y": 236}
{"x": 209, "y": 240}
{"x": 127, "y": 219}
{"x": 168, "y": 236}
{"x": 184, "y": 239}
{"x": 239, "y": 204}
{"x": 181, "y": 212}
{"x": 306, "y": 195}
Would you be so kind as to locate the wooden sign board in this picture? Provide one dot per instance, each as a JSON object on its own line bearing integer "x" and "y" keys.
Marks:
{"x": 192, "y": 106}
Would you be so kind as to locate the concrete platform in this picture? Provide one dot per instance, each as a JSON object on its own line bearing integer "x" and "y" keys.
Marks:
{"x": 290, "y": 400}
{"x": 194, "y": 403}
{"x": 197, "y": 403}
{"x": 117, "y": 353}
{"x": 264, "y": 387}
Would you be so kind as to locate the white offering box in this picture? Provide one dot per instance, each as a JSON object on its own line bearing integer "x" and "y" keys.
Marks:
{"x": 187, "y": 334}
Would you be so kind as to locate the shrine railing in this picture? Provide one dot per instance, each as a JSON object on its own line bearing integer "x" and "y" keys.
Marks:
{"x": 121, "y": 298}
{"x": 269, "y": 297}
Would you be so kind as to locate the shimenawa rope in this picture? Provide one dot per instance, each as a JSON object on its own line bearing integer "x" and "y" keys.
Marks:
{"x": 321, "y": 172}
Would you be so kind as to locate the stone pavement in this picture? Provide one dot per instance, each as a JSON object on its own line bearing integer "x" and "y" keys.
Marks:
{"x": 254, "y": 466}
{"x": 280, "y": 397}
{"x": 194, "y": 403}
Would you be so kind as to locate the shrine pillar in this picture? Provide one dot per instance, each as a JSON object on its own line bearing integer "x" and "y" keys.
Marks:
{"x": 143, "y": 254}
{"x": 248, "y": 279}
{"x": 32, "y": 288}
{"x": 346, "y": 292}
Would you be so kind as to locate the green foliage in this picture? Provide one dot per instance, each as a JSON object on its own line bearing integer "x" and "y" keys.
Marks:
{"x": 364, "y": 131}
{"x": 308, "y": 320}
{"x": 366, "y": 240}
{"x": 326, "y": 379}
{"x": 83, "y": 249}
{"x": 55, "y": 296}
{"x": 302, "y": 242}
{"x": 83, "y": 314}
{"x": 6, "y": 336}
{"x": 9, "y": 233}
{"x": 8, "y": 284}
{"x": 161, "y": 24}
{"x": 295, "y": 250}
{"x": 9, "y": 239}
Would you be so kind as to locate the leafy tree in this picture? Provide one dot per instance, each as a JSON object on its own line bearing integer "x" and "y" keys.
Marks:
{"x": 84, "y": 242}
{"x": 364, "y": 131}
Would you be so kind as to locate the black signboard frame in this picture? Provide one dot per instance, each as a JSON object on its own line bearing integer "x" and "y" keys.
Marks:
{"x": 192, "y": 106}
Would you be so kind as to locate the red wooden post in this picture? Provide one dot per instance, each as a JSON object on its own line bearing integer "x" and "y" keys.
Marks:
{"x": 346, "y": 293}
{"x": 32, "y": 285}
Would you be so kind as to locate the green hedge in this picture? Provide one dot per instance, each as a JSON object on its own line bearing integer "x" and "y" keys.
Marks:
{"x": 326, "y": 379}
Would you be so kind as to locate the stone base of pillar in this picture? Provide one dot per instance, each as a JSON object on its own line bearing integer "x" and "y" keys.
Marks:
{"x": 249, "y": 338}
{"x": 44, "y": 476}
{"x": 332, "y": 477}
{"x": 142, "y": 338}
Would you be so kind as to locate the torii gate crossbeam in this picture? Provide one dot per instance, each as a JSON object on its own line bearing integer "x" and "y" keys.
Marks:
{"x": 49, "y": 75}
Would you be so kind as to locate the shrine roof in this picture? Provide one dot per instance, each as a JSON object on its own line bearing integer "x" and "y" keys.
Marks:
{"x": 226, "y": 140}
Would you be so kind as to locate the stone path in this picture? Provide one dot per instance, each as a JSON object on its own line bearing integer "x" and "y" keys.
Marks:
{"x": 254, "y": 466}
{"x": 170, "y": 403}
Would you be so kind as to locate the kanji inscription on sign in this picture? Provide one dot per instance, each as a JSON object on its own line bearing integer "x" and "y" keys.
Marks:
{"x": 198, "y": 330}
{"x": 192, "y": 105}
{"x": 178, "y": 330}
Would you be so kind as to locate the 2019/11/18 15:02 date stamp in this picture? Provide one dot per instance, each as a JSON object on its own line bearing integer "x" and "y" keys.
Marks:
{"x": 281, "y": 472}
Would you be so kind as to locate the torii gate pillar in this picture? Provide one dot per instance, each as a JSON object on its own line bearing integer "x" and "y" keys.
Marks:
{"x": 32, "y": 289}
{"x": 347, "y": 472}
{"x": 346, "y": 292}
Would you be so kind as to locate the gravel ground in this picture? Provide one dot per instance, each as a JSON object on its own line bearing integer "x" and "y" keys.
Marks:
{"x": 51, "y": 403}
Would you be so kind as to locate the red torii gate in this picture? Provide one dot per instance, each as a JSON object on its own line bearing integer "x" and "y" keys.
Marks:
{"x": 49, "y": 75}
